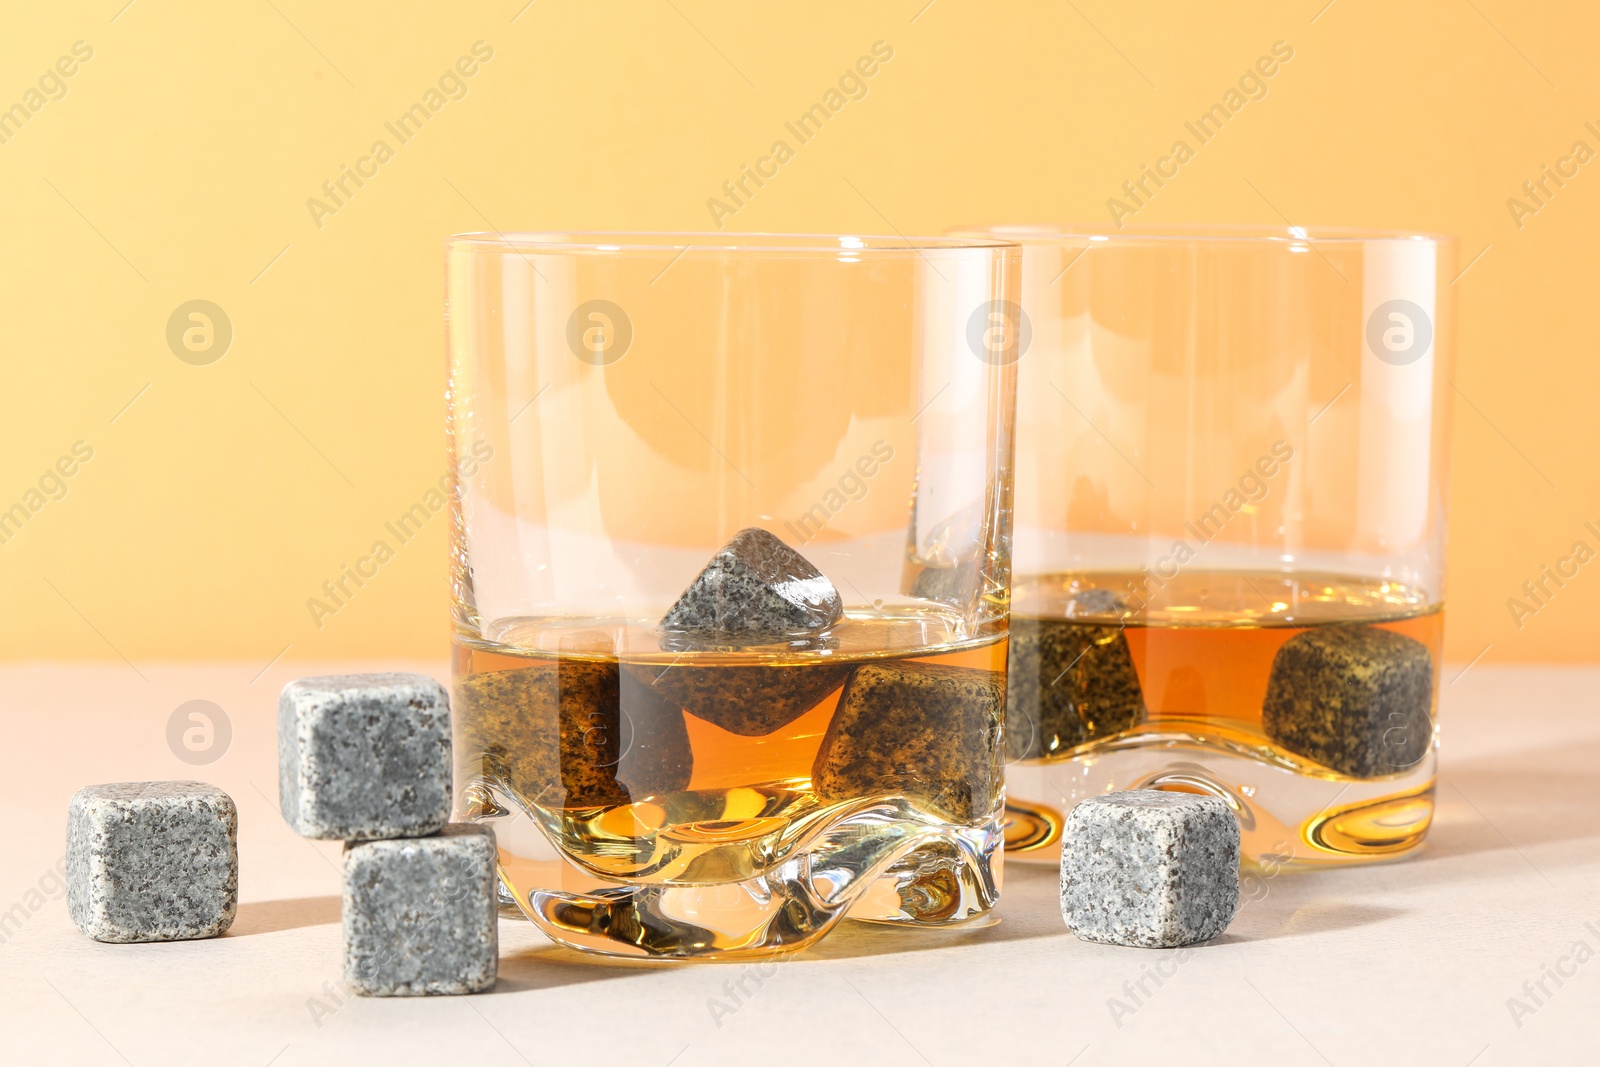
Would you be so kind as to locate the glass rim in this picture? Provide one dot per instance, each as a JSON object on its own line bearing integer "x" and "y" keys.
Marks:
{"x": 684, "y": 242}
{"x": 1265, "y": 234}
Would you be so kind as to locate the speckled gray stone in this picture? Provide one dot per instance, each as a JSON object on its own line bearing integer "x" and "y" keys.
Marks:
{"x": 364, "y": 756}
{"x": 1358, "y": 699}
{"x": 152, "y": 861}
{"x": 1149, "y": 869}
{"x": 575, "y": 733}
{"x": 420, "y": 915}
{"x": 951, "y": 560}
{"x": 1070, "y": 681}
{"x": 756, "y": 588}
{"x": 959, "y": 585}
{"x": 920, "y": 730}
{"x": 749, "y": 699}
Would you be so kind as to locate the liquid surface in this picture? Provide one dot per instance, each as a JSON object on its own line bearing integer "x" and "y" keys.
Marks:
{"x": 1225, "y": 599}
{"x": 922, "y": 629}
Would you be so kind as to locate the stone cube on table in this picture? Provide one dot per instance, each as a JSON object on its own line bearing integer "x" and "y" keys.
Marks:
{"x": 152, "y": 861}
{"x": 420, "y": 914}
{"x": 1149, "y": 868}
{"x": 364, "y": 756}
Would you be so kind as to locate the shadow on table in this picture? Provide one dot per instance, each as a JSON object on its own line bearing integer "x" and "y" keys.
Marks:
{"x": 1523, "y": 800}
{"x": 1301, "y": 918}
{"x": 552, "y": 966}
{"x": 273, "y": 916}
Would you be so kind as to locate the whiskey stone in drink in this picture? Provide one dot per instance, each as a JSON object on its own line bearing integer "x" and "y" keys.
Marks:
{"x": 751, "y": 700}
{"x": 1356, "y": 699}
{"x": 1070, "y": 682}
{"x": 755, "y": 589}
{"x": 152, "y": 861}
{"x": 420, "y": 914}
{"x": 364, "y": 756}
{"x": 950, "y": 556}
{"x": 958, "y": 585}
{"x": 925, "y": 732}
{"x": 1149, "y": 869}
{"x": 575, "y": 733}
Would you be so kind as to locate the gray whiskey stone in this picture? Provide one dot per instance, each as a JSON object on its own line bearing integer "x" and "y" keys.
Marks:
{"x": 1149, "y": 869}
{"x": 420, "y": 914}
{"x": 1070, "y": 681}
{"x": 364, "y": 756}
{"x": 958, "y": 585}
{"x": 749, "y": 699}
{"x": 957, "y": 537}
{"x": 1357, "y": 699}
{"x": 927, "y": 732}
{"x": 574, "y": 733}
{"x": 152, "y": 861}
{"x": 756, "y": 588}
{"x": 951, "y": 558}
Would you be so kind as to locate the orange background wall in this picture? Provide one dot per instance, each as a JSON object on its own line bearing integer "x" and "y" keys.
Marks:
{"x": 177, "y": 163}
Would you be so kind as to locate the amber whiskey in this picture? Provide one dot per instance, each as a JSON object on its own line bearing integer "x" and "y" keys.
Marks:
{"x": 729, "y": 781}
{"x": 1305, "y": 701}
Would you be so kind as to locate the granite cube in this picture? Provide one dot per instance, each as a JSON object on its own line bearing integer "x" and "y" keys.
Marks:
{"x": 1070, "y": 681}
{"x": 1356, "y": 699}
{"x": 756, "y": 589}
{"x": 575, "y": 733}
{"x": 364, "y": 756}
{"x": 950, "y": 562}
{"x": 152, "y": 861}
{"x": 957, "y": 585}
{"x": 1149, "y": 869}
{"x": 748, "y": 699}
{"x": 927, "y": 732}
{"x": 420, "y": 915}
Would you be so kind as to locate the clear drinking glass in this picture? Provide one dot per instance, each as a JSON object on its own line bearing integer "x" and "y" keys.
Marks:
{"x": 730, "y": 564}
{"x": 1230, "y": 525}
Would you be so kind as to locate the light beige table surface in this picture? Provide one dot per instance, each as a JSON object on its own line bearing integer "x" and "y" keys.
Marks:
{"x": 1412, "y": 962}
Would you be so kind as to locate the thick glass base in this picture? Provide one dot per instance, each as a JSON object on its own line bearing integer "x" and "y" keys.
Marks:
{"x": 1289, "y": 812}
{"x": 881, "y": 860}
{"x": 1304, "y": 701}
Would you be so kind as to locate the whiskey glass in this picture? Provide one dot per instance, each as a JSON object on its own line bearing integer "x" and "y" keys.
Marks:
{"x": 730, "y": 551}
{"x": 1230, "y": 530}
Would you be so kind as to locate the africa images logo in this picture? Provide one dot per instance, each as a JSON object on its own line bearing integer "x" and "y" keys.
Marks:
{"x": 1399, "y": 332}
{"x": 199, "y": 732}
{"x": 199, "y": 332}
{"x": 999, "y": 332}
{"x": 599, "y": 332}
